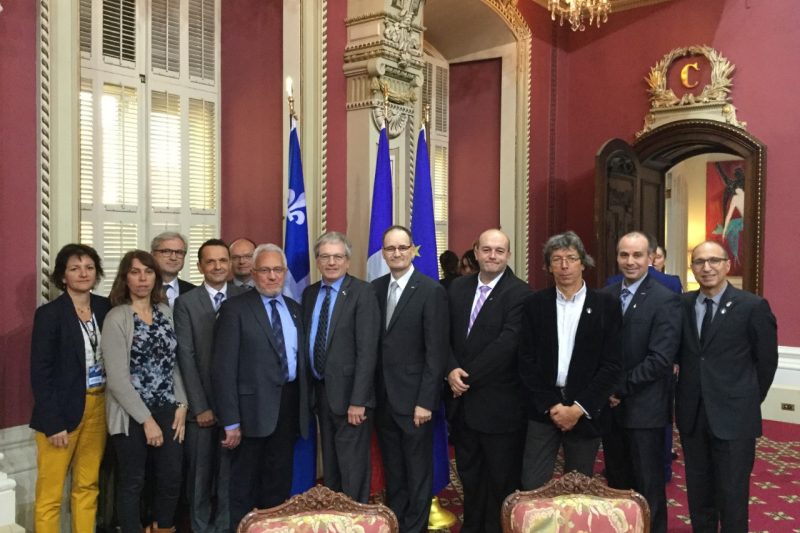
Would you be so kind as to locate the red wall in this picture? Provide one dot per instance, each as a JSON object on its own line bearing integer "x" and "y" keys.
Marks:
{"x": 18, "y": 205}
{"x": 474, "y": 185}
{"x": 337, "y": 119}
{"x": 252, "y": 120}
{"x": 603, "y": 95}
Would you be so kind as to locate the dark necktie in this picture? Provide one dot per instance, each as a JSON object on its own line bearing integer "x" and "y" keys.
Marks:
{"x": 277, "y": 329}
{"x": 706, "y": 318}
{"x": 624, "y": 296}
{"x": 321, "y": 339}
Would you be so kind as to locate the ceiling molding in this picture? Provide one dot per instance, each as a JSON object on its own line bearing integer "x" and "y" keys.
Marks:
{"x": 619, "y": 5}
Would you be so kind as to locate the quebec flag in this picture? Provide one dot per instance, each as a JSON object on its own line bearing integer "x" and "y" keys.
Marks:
{"x": 381, "y": 217}
{"x": 296, "y": 245}
{"x": 304, "y": 473}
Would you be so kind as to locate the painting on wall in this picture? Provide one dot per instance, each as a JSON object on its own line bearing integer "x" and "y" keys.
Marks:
{"x": 725, "y": 210}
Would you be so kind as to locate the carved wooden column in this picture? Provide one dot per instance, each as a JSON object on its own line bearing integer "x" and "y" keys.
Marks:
{"x": 383, "y": 56}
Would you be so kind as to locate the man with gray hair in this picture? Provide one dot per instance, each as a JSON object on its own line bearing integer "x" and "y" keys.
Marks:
{"x": 343, "y": 320}
{"x": 259, "y": 379}
{"x": 169, "y": 250}
{"x": 570, "y": 362}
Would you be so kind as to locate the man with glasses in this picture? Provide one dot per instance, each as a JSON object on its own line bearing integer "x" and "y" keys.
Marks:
{"x": 242, "y": 262}
{"x": 260, "y": 384}
{"x": 728, "y": 357}
{"x": 169, "y": 250}
{"x": 413, "y": 353}
{"x": 342, "y": 316}
{"x": 570, "y": 361}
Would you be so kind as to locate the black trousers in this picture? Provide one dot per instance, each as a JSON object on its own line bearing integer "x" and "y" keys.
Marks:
{"x": 132, "y": 453}
{"x": 261, "y": 467}
{"x": 489, "y": 466}
{"x": 345, "y": 450}
{"x": 407, "y": 453}
{"x": 717, "y": 478}
{"x": 634, "y": 459}
{"x": 541, "y": 448}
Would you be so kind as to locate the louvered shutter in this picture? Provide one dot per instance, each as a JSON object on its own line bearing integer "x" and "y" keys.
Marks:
{"x": 197, "y": 235}
{"x": 202, "y": 156}
{"x": 202, "y": 35}
{"x": 120, "y": 126}
{"x": 165, "y": 152}
{"x": 119, "y": 32}
{"x": 165, "y": 36}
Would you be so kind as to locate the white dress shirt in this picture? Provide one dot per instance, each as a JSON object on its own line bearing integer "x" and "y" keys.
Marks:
{"x": 568, "y": 314}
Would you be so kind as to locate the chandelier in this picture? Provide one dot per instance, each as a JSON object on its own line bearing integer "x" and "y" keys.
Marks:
{"x": 577, "y": 11}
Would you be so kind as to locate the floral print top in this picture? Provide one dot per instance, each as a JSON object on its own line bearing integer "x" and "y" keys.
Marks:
{"x": 153, "y": 360}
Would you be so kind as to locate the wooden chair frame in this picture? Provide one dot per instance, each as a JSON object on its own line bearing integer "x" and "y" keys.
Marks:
{"x": 320, "y": 499}
{"x": 572, "y": 483}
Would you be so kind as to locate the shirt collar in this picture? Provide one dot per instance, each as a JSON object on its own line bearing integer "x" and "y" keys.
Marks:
{"x": 701, "y": 298}
{"x": 335, "y": 286}
{"x": 581, "y": 292}
{"x": 213, "y": 292}
{"x": 492, "y": 284}
{"x": 633, "y": 287}
{"x": 402, "y": 281}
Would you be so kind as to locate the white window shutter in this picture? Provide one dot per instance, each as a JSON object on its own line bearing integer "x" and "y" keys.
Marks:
{"x": 198, "y": 234}
{"x": 118, "y": 239}
{"x": 86, "y": 143}
{"x": 202, "y": 46}
{"x": 165, "y": 36}
{"x": 442, "y": 94}
{"x": 86, "y": 28}
{"x": 119, "y": 32}
{"x": 165, "y": 152}
{"x": 120, "y": 126}
{"x": 202, "y": 157}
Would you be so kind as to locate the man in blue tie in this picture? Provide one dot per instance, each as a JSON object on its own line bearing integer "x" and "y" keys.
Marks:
{"x": 260, "y": 384}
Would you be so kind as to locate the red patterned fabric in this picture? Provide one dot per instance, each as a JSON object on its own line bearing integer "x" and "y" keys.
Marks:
{"x": 321, "y": 522}
{"x": 577, "y": 513}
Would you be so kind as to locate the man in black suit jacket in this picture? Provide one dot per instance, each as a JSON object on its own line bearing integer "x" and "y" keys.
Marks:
{"x": 260, "y": 385}
{"x": 195, "y": 315}
{"x": 484, "y": 408}
{"x": 728, "y": 357}
{"x": 570, "y": 363}
{"x": 342, "y": 316}
{"x": 641, "y": 405}
{"x": 169, "y": 250}
{"x": 412, "y": 356}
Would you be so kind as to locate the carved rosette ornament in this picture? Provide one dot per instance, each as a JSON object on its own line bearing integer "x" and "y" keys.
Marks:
{"x": 713, "y": 102}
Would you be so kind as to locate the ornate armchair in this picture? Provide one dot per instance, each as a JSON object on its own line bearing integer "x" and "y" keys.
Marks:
{"x": 575, "y": 503}
{"x": 321, "y": 510}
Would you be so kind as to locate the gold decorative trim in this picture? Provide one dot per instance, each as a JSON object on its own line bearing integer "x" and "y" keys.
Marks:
{"x": 717, "y": 91}
{"x": 43, "y": 155}
{"x": 323, "y": 178}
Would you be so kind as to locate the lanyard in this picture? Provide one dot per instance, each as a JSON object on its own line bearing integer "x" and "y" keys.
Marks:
{"x": 91, "y": 335}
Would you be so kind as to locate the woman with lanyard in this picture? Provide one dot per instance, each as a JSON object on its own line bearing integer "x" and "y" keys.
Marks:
{"x": 145, "y": 395}
{"x": 68, "y": 385}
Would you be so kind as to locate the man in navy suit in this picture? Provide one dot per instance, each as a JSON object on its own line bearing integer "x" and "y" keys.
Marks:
{"x": 260, "y": 385}
{"x": 570, "y": 363}
{"x": 728, "y": 357}
{"x": 641, "y": 405}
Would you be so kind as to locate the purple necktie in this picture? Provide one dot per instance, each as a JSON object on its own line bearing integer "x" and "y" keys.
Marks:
{"x": 485, "y": 289}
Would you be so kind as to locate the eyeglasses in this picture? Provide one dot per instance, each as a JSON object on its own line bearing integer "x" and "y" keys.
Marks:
{"x": 337, "y": 258}
{"x": 713, "y": 261}
{"x": 248, "y": 257}
{"x": 267, "y": 270}
{"x": 392, "y": 249}
{"x": 167, "y": 252}
{"x": 569, "y": 259}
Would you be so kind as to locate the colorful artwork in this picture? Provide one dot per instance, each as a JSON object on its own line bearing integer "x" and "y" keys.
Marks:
{"x": 725, "y": 210}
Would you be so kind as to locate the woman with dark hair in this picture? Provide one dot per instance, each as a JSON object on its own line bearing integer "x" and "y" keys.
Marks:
{"x": 468, "y": 264}
{"x": 146, "y": 401}
{"x": 68, "y": 385}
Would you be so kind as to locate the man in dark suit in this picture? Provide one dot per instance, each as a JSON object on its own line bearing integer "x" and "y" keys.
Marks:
{"x": 570, "y": 362}
{"x": 641, "y": 405}
{"x": 260, "y": 385}
{"x": 412, "y": 356}
{"x": 169, "y": 250}
{"x": 343, "y": 322}
{"x": 728, "y": 357}
{"x": 486, "y": 418}
{"x": 195, "y": 315}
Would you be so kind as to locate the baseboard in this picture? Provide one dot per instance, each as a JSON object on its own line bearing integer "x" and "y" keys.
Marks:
{"x": 19, "y": 462}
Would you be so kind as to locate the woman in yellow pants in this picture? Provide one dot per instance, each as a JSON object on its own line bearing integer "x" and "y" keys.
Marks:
{"x": 68, "y": 384}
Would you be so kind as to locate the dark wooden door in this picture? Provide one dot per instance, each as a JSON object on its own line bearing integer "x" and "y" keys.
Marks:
{"x": 628, "y": 197}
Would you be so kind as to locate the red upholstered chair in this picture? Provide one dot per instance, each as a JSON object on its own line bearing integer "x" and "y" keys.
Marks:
{"x": 321, "y": 510}
{"x": 576, "y": 503}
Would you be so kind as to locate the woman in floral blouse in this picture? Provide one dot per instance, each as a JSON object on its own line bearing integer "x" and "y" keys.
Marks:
{"x": 145, "y": 399}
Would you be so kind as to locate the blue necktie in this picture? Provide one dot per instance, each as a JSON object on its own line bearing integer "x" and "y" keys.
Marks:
{"x": 624, "y": 296}
{"x": 321, "y": 339}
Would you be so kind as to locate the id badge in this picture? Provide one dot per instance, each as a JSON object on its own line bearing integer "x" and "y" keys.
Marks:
{"x": 96, "y": 377}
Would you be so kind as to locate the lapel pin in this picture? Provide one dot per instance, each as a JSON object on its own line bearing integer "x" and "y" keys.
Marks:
{"x": 728, "y": 304}
{"x": 588, "y": 310}
{"x": 634, "y": 306}
{"x": 344, "y": 293}
{"x": 722, "y": 312}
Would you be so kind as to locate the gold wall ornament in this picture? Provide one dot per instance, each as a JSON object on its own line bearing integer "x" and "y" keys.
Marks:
{"x": 713, "y": 102}
{"x": 578, "y": 11}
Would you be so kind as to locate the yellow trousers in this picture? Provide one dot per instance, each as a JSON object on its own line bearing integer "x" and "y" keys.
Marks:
{"x": 83, "y": 454}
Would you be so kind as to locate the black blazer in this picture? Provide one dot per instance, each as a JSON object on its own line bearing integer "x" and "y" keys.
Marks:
{"x": 734, "y": 369}
{"x": 58, "y": 364}
{"x": 413, "y": 348}
{"x": 488, "y": 354}
{"x": 596, "y": 365}
{"x": 246, "y": 374}
{"x": 651, "y": 329}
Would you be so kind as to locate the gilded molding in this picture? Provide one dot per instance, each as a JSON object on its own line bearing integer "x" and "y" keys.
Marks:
{"x": 323, "y": 178}
{"x": 43, "y": 156}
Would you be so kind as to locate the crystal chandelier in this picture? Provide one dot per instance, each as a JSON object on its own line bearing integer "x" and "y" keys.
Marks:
{"x": 577, "y": 11}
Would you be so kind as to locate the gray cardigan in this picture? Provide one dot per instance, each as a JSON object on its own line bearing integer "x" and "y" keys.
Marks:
{"x": 122, "y": 400}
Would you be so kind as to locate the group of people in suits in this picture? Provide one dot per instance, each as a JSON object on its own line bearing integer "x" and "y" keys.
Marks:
{"x": 229, "y": 374}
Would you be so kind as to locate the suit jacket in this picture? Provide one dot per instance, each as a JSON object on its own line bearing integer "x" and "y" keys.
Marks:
{"x": 58, "y": 364}
{"x": 352, "y": 344}
{"x": 651, "y": 329}
{"x": 184, "y": 287}
{"x": 413, "y": 349}
{"x": 732, "y": 372}
{"x": 488, "y": 354}
{"x": 595, "y": 369}
{"x": 246, "y": 374}
{"x": 194, "y": 326}
{"x": 670, "y": 281}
